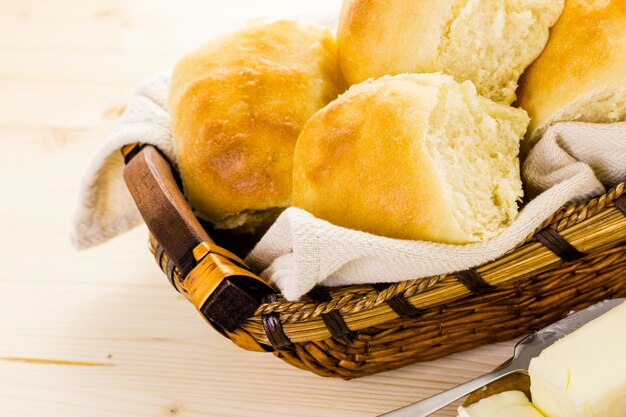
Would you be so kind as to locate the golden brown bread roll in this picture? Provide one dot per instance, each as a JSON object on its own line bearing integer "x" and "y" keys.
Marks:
{"x": 581, "y": 74}
{"x": 238, "y": 105}
{"x": 412, "y": 157}
{"x": 489, "y": 42}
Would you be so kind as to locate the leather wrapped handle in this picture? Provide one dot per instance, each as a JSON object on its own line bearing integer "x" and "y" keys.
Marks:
{"x": 217, "y": 282}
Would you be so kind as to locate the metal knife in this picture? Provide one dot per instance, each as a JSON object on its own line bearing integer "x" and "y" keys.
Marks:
{"x": 525, "y": 350}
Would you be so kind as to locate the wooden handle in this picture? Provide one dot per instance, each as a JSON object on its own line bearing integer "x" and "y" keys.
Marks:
{"x": 163, "y": 207}
{"x": 217, "y": 282}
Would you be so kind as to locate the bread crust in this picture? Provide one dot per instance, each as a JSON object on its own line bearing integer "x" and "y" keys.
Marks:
{"x": 370, "y": 172}
{"x": 585, "y": 58}
{"x": 387, "y": 37}
{"x": 238, "y": 105}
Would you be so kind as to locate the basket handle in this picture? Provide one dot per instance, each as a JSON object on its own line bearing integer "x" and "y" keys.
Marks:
{"x": 217, "y": 282}
{"x": 151, "y": 182}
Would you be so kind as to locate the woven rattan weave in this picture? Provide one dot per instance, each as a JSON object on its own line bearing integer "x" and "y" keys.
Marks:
{"x": 577, "y": 258}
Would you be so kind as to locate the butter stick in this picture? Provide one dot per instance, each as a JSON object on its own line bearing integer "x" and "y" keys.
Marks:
{"x": 506, "y": 404}
{"x": 584, "y": 374}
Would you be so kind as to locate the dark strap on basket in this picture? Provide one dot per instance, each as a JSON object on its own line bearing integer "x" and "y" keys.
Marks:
{"x": 552, "y": 240}
{"x": 399, "y": 304}
{"x": 130, "y": 151}
{"x": 169, "y": 272}
{"x": 274, "y": 328}
{"x": 473, "y": 281}
{"x": 620, "y": 203}
{"x": 158, "y": 255}
{"x": 333, "y": 320}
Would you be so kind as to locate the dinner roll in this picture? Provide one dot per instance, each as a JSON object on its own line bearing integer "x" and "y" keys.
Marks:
{"x": 238, "y": 105}
{"x": 489, "y": 42}
{"x": 581, "y": 74}
{"x": 417, "y": 157}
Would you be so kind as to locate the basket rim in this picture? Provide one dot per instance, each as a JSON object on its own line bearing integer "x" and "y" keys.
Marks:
{"x": 360, "y": 299}
{"x": 566, "y": 217}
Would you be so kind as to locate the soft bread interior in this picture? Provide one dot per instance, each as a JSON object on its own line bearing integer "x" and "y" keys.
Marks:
{"x": 601, "y": 106}
{"x": 491, "y": 42}
{"x": 474, "y": 145}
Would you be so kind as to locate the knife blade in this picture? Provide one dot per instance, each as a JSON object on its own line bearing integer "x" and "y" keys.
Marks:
{"x": 528, "y": 348}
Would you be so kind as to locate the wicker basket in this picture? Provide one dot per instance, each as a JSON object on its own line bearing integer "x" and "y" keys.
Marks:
{"x": 576, "y": 259}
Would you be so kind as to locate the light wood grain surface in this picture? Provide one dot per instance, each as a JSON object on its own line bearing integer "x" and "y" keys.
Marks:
{"x": 100, "y": 332}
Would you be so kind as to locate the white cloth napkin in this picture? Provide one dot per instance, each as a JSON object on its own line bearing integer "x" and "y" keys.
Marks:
{"x": 106, "y": 208}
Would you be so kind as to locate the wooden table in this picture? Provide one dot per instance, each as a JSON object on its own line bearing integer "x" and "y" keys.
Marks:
{"x": 100, "y": 332}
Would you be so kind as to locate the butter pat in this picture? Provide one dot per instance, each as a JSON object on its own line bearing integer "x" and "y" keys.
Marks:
{"x": 584, "y": 374}
{"x": 506, "y": 404}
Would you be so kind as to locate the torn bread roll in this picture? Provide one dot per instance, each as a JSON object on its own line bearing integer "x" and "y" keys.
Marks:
{"x": 581, "y": 74}
{"x": 238, "y": 105}
{"x": 418, "y": 157}
{"x": 489, "y": 42}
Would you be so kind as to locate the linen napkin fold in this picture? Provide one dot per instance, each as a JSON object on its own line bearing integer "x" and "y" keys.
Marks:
{"x": 570, "y": 163}
{"x": 559, "y": 153}
{"x": 106, "y": 207}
